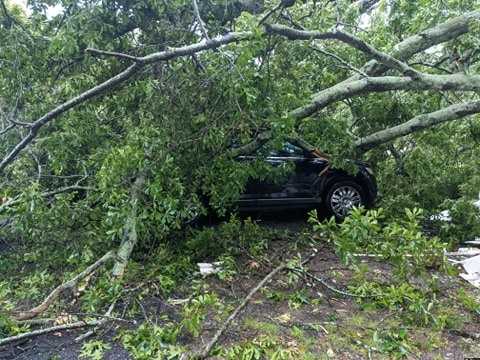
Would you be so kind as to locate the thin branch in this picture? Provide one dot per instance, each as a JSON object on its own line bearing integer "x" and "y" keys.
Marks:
{"x": 105, "y": 318}
{"x": 47, "y": 194}
{"x": 270, "y": 13}
{"x": 339, "y": 59}
{"x": 433, "y": 66}
{"x": 328, "y": 286}
{"x": 113, "y": 53}
{"x": 75, "y": 325}
{"x": 7, "y": 129}
{"x": 203, "y": 28}
{"x": 252, "y": 146}
{"x": 209, "y": 346}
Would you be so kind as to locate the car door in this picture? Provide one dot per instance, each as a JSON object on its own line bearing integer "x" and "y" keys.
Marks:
{"x": 265, "y": 188}
{"x": 302, "y": 182}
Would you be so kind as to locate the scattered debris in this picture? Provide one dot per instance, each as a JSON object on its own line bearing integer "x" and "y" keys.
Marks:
{"x": 465, "y": 251}
{"x": 474, "y": 242}
{"x": 210, "y": 268}
{"x": 442, "y": 216}
{"x": 471, "y": 264}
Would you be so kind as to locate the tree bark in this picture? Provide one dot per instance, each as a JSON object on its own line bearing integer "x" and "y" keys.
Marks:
{"x": 130, "y": 234}
{"x": 346, "y": 90}
{"x": 420, "y": 122}
{"x": 29, "y": 314}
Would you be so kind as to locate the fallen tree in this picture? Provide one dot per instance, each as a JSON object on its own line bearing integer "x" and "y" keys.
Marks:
{"x": 346, "y": 89}
{"x": 157, "y": 122}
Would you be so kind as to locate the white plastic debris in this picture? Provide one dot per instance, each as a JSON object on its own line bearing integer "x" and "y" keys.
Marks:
{"x": 477, "y": 203}
{"x": 442, "y": 216}
{"x": 471, "y": 265}
{"x": 474, "y": 242}
{"x": 209, "y": 268}
{"x": 469, "y": 259}
{"x": 464, "y": 251}
{"x": 473, "y": 279}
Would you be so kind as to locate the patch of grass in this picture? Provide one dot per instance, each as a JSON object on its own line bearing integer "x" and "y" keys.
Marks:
{"x": 264, "y": 327}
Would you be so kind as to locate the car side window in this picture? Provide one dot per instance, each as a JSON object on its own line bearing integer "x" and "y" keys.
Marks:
{"x": 287, "y": 150}
{"x": 291, "y": 150}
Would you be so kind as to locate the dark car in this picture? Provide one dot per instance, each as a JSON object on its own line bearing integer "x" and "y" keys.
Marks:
{"x": 312, "y": 184}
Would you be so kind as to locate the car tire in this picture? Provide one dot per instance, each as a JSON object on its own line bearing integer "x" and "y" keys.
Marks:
{"x": 342, "y": 196}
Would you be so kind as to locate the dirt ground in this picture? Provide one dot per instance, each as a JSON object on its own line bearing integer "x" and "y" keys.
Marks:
{"x": 324, "y": 323}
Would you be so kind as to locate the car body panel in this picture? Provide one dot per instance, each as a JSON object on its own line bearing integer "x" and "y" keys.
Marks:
{"x": 306, "y": 184}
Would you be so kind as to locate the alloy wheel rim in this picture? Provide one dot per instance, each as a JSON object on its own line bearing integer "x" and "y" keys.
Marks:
{"x": 344, "y": 199}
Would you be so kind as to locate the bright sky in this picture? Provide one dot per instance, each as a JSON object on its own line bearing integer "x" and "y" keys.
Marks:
{"x": 51, "y": 11}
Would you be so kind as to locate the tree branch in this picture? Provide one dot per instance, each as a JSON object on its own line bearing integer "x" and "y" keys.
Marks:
{"x": 47, "y": 194}
{"x": 75, "y": 325}
{"x": 130, "y": 232}
{"x": 344, "y": 90}
{"x": 112, "y": 53}
{"x": 37, "y": 310}
{"x": 7, "y": 129}
{"x": 404, "y": 50}
{"x": 339, "y": 59}
{"x": 203, "y": 29}
{"x": 420, "y": 122}
{"x": 252, "y": 146}
{"x": 115, "y": 81}
{"x": 349, "y": 39}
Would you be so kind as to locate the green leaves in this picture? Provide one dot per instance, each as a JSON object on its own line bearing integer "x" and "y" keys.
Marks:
{"x": 400, "y": 241}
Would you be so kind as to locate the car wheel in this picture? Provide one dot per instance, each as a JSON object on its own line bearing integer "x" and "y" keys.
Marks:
{"x": 342, "y": 197}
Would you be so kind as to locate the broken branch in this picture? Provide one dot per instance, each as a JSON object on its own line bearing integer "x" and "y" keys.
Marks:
{"x": 48, "y": 330}
{"x": 29, "y": 314}
{"x": 206, "y": 350}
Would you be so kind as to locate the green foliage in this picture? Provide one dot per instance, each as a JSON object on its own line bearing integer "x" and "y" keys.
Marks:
{"x": 94, "y": 350}
{"x": 230, "y": 237}
{"x": 402, "y": 242}
{"x": 392, "y": 342}
{"x": 195, "y": 311}
{"x": 469, "y": 301}
{"x": 174, "y": 123}
{"x": 152, "y": 342}
{"x": 265, "y": 347}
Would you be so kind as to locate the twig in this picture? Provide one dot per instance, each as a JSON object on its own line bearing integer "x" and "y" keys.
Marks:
{"x": 47, "y": 194}
{"x": 34, "y": 333}
{"x": 36, "y": 321}
{"x": 267, "y": 15}
{"x": 106, "y": 316}
{"x": 99, "y": 324}
{"x": 29, "y": 314}
{"x": 328, "y": 286}
{"x": 339, "y": 59}
{"x": 7, "y": 129}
